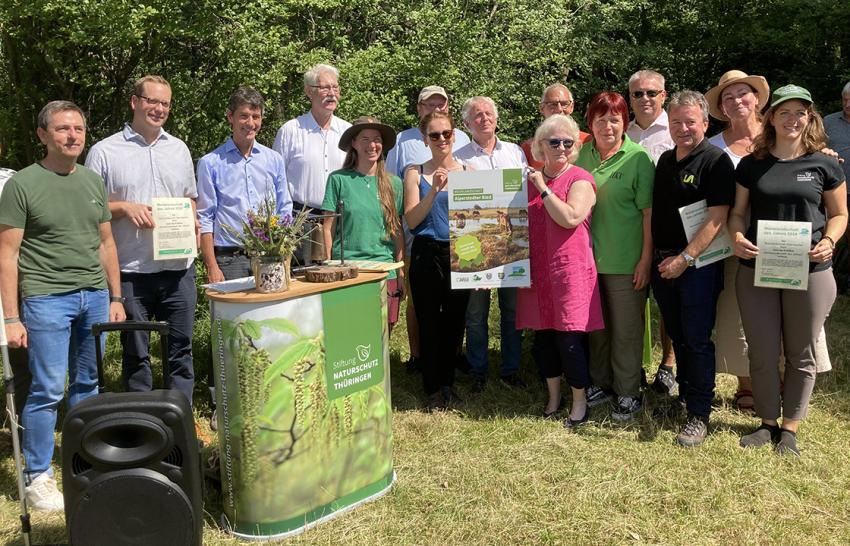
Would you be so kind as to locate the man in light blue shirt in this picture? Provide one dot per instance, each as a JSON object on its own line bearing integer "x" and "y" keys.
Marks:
{"x": 410, "y": 150}
{"x": 234, "y": 179}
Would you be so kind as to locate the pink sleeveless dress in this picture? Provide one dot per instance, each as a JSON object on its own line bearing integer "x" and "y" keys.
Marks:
{"x": 564, "y": 292}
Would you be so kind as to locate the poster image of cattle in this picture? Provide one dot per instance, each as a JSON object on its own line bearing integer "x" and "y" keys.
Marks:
{"x": 488, "y": 228}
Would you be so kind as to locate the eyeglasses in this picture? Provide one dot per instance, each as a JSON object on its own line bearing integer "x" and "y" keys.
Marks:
{"x": 652, "y": 93}
{"x": 326, "y": 88}
{"x": 561, "y": 103}
{"x": 447, "y": 135}
{"x": 556, "y": 143}
{"x": 153, "y": 102}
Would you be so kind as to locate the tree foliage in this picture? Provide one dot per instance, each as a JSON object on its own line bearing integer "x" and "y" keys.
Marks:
{"x": 90, "y": 51}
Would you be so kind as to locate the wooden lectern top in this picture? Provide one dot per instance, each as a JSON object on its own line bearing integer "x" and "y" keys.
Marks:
{"x": 297, "y": 289}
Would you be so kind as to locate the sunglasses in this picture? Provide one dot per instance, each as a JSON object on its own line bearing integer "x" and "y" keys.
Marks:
{"x": 651, "y": 94}
{"x": 447, "y": 135}
{"x": 556, "y": 143}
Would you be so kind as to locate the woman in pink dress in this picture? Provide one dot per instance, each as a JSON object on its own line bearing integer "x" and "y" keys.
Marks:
{"x": 563, "y": 302}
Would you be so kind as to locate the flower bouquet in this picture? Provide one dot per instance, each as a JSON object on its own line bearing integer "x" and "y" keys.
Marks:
{"x": 269, "y": 239}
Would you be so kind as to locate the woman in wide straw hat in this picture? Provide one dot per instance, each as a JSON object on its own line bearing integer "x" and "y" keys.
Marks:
{"x": 372, "y": 197}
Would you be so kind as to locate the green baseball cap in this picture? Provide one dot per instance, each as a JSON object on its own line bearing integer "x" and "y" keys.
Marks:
{"x": 789, "y": 92}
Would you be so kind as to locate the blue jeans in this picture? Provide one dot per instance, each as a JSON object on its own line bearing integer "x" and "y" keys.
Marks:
{"x": 60, "y": 342}
{"x": 688, "y": 305}
{"x": 168, "y": 296}
{"x": 477, "y": 314}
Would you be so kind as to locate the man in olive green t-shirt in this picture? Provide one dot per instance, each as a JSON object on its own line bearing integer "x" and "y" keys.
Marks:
{"x": 56, "y": 241}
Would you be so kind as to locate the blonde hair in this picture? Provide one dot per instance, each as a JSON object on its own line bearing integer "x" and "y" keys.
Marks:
{"x": 551, "y": 125}
{"x": 139, "y": 86}
{"x": 813, "y": 137}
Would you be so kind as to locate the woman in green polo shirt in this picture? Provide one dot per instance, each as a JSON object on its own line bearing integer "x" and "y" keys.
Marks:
{"x": 372, "y": 198}
{"x": 622, "y": 246}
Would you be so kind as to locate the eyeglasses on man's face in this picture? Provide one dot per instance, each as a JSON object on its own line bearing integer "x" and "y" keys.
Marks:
{"x": 652, "y": 93}
{"x": 166, "y": 104}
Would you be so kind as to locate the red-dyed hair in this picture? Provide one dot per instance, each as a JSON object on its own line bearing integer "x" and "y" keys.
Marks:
{"x": 604, "y": 102}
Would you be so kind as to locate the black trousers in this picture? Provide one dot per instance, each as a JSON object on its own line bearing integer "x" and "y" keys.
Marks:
{"x": 441, "y": 311}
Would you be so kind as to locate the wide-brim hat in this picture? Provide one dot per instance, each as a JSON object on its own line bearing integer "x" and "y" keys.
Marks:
{"x": 367, "y": 122}
{"x": 758, "y": 83}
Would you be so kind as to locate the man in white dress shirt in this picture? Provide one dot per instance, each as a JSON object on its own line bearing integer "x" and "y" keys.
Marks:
{"x": 309, "y": 146}
{"x": 485, "y": 152}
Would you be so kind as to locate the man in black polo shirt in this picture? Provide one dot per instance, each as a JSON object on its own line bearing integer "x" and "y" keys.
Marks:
{"x": 687, "y": 296}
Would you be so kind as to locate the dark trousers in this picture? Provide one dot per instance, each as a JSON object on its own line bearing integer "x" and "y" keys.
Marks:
{"x": 441, "y": 311}
{"x": 564, "y": 353}
{"x": 688, "y": 305}
{"x": 169, "y": 296}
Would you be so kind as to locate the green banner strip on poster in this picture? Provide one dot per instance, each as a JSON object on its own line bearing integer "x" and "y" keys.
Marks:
{"x": 291, "y": 524}
{"x": 354, "y": 357}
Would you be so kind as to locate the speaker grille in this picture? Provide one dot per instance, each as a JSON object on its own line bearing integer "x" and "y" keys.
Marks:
{"x": 79, "y": 464}
{"x": 175, "y": 457}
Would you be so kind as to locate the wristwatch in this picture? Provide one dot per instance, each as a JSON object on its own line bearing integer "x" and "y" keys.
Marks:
{"x": 117, "y": 299}
{"x": 688, "y": 259}
{"x": 545, "y": 193}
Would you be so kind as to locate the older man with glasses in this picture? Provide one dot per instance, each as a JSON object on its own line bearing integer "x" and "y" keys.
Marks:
{"x": 556, "y": 99}
{"x": 309, "y": 146}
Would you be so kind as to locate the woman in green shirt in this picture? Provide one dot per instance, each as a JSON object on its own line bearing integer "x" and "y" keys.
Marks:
{"x": 372, "y": 199}
{"x": 622, "y": 246}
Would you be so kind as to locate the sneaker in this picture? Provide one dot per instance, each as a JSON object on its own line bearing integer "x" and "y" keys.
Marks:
{"x": 693, "y": 432}
{"x": 596, "y": 396}
{"x": 787, "y": 444}
{"x": 665, "y": 381}
{"x": 413, "y": 365}
{"x": 43, "y": 495}
{"x": 764, "y": 435}
{"x": 627, "y": 407}
{"x": 514, "y": 380}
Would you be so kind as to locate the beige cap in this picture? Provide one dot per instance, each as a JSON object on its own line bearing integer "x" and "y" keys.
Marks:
{"x": 432, "y": 90}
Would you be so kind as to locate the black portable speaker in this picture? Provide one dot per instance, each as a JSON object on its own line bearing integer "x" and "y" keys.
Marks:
{"x": 131, "y": 472}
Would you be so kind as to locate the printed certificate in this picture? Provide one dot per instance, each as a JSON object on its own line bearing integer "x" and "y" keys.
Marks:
{"x": 783, "y": 258}
{"x": 693, "y": 218}
{"x": 488, "y": 229}
{"x": 174, "y": 228}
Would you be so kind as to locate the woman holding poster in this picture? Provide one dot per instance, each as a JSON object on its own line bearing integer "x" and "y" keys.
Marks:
{"x": 622, "y": 246}
{"x": 441, "y": 311}
{"x": 563, "y": 302}
{"x": 786, "y": 186}
{"x": 372, "y": 196}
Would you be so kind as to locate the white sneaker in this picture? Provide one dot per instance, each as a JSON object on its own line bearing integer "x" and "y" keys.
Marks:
{"x": 43, "y": 495}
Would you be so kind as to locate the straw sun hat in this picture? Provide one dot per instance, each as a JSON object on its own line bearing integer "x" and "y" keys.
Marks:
{"x": 758, "y": 83}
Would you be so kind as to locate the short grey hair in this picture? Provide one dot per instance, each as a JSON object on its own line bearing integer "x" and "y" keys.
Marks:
{"x": 846, "y": 90}
{"x": 472, "y": 101}
{"x": 689, "y": 98}
{"x": 311, "y": 77}
{"x": 553, "y": 87}
{"x": 550, "y": 126}
{"x": 646, "y": 75}
{"x": 54, "y": 107}
{"x": 245, "y": 95}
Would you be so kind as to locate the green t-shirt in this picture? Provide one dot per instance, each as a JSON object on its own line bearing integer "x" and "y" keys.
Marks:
{"x": 624, "y": 188}
{"x": 366, "y": 236}
{"x": 61, "y": 217}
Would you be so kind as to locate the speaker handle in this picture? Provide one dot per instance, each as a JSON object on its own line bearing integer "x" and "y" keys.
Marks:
{"x": 160, "y": 327}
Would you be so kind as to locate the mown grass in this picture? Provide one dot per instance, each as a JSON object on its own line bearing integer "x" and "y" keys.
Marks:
{"x": 495, "y": 473}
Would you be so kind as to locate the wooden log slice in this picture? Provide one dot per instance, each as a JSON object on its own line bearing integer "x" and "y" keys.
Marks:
{"x": 330, "y": 273}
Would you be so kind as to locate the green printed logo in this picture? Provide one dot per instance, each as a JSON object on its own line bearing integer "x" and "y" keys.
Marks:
{"x": 468, "y": 249}
{"x": 511, "y": 180}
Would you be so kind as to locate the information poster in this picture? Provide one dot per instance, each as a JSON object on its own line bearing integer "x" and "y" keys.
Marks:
{"x": 783, "y": 258}
{"x": 693, "y": 218}
{"x": 488, "y": 227}
{"x": 174, "y": 228}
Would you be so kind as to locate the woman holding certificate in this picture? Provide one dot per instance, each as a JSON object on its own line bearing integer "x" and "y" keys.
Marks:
{"x": 622, "y": 247}
{"x": 563, "y": 302}
{"x": 372, "y": 196}
{"x": 791, "y": 191}
{"x": 441, "y": 311}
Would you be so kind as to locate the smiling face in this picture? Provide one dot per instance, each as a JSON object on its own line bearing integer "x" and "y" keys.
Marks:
{"x": 607, "y": 130}
{"x": 245, "y": 123}
{"x": 368, "y": 144}
{"x": 557, "y": 101}
{"x": 739, "y": 101}
{"x": 439, "y": 144}
{"x": 790, "y": 119}
{"x": 646, "y": 107}
{"x": 687, "y": 126}
{"x": 65, "y": 136}
{"x": 151, "y": 109}
{"x": 481, "y": 121}
{"x": 324, "y": 96}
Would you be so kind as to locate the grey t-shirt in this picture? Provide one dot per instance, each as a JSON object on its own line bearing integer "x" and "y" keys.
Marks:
{"x": 838, "y": 130}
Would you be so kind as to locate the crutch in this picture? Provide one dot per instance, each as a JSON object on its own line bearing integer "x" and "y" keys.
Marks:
{"x": 8, "y": 380}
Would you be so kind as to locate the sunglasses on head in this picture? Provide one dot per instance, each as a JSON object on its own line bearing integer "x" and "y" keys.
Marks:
{"x": 651, "y": 94}
{"x": 447, "y": 134}
{"x": 556, "y": 143}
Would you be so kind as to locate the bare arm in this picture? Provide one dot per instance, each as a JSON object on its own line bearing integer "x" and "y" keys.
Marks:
{"x": 109, "y": 260}
{"x": 836, "y": 213}
{"x": 572, "y": 212}
{"x": 328, "y": 225}
{"x": 741, "y": 246}
{"x": 214, "y": 273}
{"x": 416, "y": 209}
{"x": 10, "y": 245}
